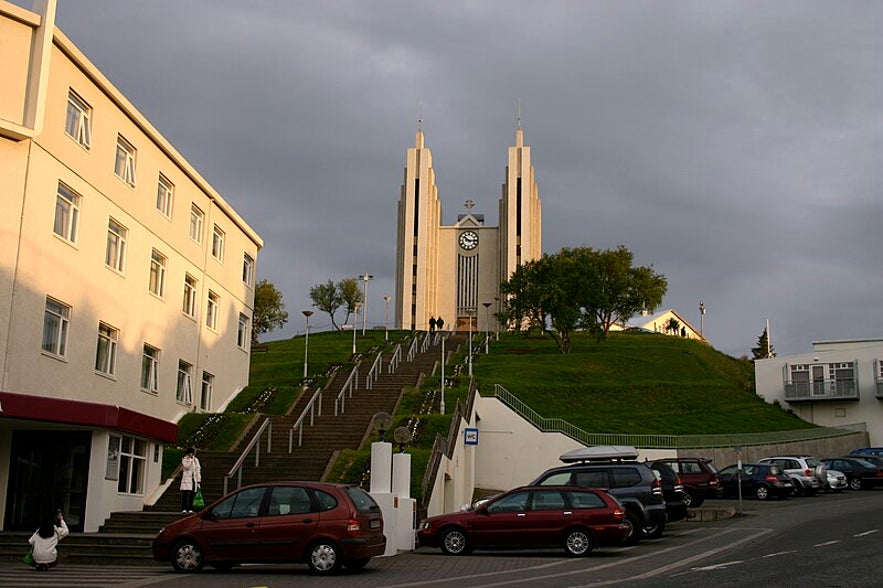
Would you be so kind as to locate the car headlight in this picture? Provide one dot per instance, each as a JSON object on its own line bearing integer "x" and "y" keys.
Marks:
{"x": 425, "y": 526}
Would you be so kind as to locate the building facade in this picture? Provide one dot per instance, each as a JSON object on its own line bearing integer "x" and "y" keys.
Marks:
{"x": 126, "y": 286}
{"x": 838, "y": 383}
{"x": 454, "y": 272}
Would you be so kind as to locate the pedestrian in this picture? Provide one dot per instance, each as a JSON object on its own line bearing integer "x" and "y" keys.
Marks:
{"x": 439, "y": 323}
{"x": 432, "y": 324}
{"x": 191, "y": 478}
{"x": 44, "y": 542}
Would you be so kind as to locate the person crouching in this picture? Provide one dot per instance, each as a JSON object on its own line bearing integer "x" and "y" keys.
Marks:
{"x": 45, "y": 540}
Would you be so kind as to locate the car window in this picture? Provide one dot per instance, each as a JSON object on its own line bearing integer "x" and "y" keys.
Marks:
{"x": 592, "y": 479}
{"x": 557, "y": 479}
{"x": 625, "y": 477}
{"x": 363, "y": 501}
{"x": 326, "y": 501}
{"x": 515, "y": 502}
{"x": 241, "y": 505}
{"x": 547, "y": 500}
{"x": 585, "y": 500}
{"x": 285, "y": 500}
{"x": 728, "y": 471}
{"x": 691, "y": 467}
{"x": 775, "y": 470}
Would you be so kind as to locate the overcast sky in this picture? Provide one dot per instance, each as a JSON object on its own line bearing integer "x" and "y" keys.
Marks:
{"x": 735, "y": 146}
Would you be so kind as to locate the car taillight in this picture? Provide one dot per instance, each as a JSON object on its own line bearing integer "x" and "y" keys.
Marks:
{"x": 618, "y": 514}
{"x": 353, "y": 527}
{"x": 807, "y": 473}
{"x": 879, "y": 473}
{"x": 657, "y": 487}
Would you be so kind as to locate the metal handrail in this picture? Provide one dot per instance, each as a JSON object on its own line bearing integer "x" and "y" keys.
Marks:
{"x": 311, "y": 407}
{"x": 556, "y": 425}
{"x": 350, "y": 384}
{"x": 412, "y": 351}
{"x": 427, "y": 340}
{"x": 374, "y": 372}
{"x": 253, "y": 444}
{"x": 395, "y": 360}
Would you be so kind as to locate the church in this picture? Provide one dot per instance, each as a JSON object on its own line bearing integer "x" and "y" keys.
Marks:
{"x": 454, "y": 272}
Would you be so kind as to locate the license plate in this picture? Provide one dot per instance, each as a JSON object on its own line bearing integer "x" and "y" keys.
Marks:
{"x": 374, "y": 524}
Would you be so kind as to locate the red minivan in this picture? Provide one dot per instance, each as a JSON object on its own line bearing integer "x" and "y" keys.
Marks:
{"x": 323, "y": 525}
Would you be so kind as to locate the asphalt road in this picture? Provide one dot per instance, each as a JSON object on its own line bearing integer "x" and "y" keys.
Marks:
{"x": 808, "y": 542}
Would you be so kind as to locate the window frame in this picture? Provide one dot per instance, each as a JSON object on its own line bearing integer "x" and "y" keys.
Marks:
{"x": 78, "y": 120}
{"x": 125, "y": 161}
{"x": 115, "y": 251}
{"x": 67, "y": 204}
{"x": 132, "y": 466}
{"x": 62, "y": 320}
{"x": 243, "y": 331}
{"x": 197, "y": 223}
{"x": 157, "y": 281}
{"x": 165, "y": 195}
{"x": 105, "y": 363}
{"x": 212, "y": 310}
{"x": 184, "y": 384}
{"x": 248, "y": 270}
{"x": 206, "y": 389}
{"x": 150, "y": 357}
{"x": 218, "y": 238}
{"x": 191, "y": 296}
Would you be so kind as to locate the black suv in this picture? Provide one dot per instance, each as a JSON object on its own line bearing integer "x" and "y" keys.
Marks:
{"x": 633, "y": 483}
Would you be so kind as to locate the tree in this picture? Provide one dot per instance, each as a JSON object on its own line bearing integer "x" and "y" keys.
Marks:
{"x": 673, "y": 325}
{"x": 625, "y": 290}
{"x": 269, "y": 309}
{"x": 763, "y": 350}
{"x": 331, "y": 296}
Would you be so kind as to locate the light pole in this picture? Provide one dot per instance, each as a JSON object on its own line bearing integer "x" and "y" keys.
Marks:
{"x": 307, "y": 314}
{"x": 386, "y": 333}
{"x": 365, "y": 278}
{"x": 701, "y": 318}
{"x": 442, "y": 407}
{"x": 487, "y": 325}
{"x": 356, "y": 307}
{"x": 471, "y": 312}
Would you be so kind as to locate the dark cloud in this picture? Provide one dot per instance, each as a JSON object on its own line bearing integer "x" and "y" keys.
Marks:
{"x": 733, "y": 145}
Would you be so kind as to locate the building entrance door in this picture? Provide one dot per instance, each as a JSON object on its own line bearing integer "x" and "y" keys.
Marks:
{"x": 48, "y": 471}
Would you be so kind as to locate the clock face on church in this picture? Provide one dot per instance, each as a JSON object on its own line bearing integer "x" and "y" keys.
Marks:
{"x": 469, "y": 240}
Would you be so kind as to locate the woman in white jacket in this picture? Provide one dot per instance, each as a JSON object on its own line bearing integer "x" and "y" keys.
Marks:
{"x": 191, "y": 477}
{"x": 44, "y": 541}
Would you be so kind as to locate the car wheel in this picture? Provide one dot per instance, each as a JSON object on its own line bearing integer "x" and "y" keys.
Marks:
{"x": 762, "y": 492}
{"x": 855, "y": 484}
{"x": 357, "y": 564}
{"x": 654, "y": 531}
{"x": 324, "y": 558}
{"x": 454, "y": 541}
{"x": 578, "y": 543}
{"x": 691, "y": 500}
{"x": 186, "y": 556}
{"x": 634, "y": 529}
{"x": 223, "y": 566}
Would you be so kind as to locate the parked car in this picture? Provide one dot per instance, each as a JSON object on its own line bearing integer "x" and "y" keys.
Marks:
{"x": 836, "y": 482}
{"x": 575, "y": 519}
{"x": 867, "y": 451}
{"x": 808, "y": 474}
{"x": 760, "y": 480}
{"x": 614, "y": 470}
{"x": 322, "y": 525}
{"x": 672, "y": 491}
{"x": 860, "y": 473}
{"x": 699, "y": 477}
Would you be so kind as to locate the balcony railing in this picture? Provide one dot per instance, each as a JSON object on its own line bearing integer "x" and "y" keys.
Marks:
{"x": 879, "y": 388}
{"x": 826, "y": 390}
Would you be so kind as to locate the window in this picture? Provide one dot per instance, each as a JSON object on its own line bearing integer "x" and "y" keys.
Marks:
{"x": 165, "y": 189}
{"x": 184, "y": 390}
{"x": 124, "y": 167}
{"x": 106, "y": 353}
{"x": 196, "y": 221}
{"x": 78, "y": 125}
{"x": 218, "y": 243}
{"x": 115, "y": 255}
{"x": 242, "y": 332}
{"x": 150, "y": 369}
{"x": 56, "y": 319}
{"x": 248, "y": 269}
{"x": 157, "y": 273}
{"x": 211, "y": 311}
{"x": 205, "y": 397}
{"x": 67, "y": 213}
{"x": 189, "y": 307}
{"x": 133, "y": 461}
{"x": 243, "y": 504}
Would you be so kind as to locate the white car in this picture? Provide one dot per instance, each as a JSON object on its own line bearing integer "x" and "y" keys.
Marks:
{"x": 836, "y": 482}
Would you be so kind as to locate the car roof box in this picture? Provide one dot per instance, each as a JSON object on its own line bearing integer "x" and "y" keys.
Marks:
{"x": 600, "y": 453}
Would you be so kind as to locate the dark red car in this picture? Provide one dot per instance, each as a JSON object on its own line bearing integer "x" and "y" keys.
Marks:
{"x": 575, "y": 519}
{"x": 322, "y": 525}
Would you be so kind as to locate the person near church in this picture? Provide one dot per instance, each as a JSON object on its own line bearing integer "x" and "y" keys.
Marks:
{"x": 439, "y": 323}
{"x": 191, "y": 478}
{"x": 44, "y": 542}
{"x": 432, "y": 324}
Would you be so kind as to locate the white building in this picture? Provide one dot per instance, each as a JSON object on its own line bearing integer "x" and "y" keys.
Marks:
{"x": 126, "y": 286}
{"x": 837, "y": 383}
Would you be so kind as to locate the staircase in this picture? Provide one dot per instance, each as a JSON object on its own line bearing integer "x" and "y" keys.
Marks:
{"x": 125, "y": 538}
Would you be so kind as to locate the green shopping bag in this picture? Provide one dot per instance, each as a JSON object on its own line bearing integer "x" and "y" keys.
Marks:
{"x": 198, "y": 500}
{"x": 29, "y": 558}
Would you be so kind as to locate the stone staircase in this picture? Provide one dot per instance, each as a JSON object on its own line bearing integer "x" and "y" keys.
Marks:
{"x": 125, "y": 537}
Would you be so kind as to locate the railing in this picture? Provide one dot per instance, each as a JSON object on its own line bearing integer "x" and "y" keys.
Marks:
{"x": 374, "y": 372}
{"x": 412, "y": 350}
{"x": 879, "y": 389}
{"x": 348, "y": 386}
{"x": 427, "y": 341}
{"x": 668, "y": 441}
{"x": 395, "y": 360}
{"x": 824, "y": 390}
{"x": 298, "y": 426}
{"x": 255, "y": 444}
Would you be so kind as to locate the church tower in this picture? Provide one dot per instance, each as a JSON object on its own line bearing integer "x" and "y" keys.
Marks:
{"x": 454, "y": 271}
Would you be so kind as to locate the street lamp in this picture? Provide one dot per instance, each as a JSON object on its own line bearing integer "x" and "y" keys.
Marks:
{"x": 307, "y": 314}
{"x": 487, "y": 325}
{"x": 470, "y": 312}
{"x": 386, "y": 333}
{"x": 442, "y": 404}
{"x": 365, "y": 278}
{"x": 701, "y": 318}
{"x": 356, "y": 309}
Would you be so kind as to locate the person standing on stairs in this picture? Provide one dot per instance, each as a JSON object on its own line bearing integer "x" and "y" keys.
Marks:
{"x": 191, "y": 478}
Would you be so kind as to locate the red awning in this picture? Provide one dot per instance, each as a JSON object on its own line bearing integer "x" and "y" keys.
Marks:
{"x": 91, "y": 414}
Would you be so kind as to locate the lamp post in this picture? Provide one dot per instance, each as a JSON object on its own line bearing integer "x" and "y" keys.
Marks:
{"x": 442, "y": 404}
{"x": 386, "y": 333}
{"x": 701, "y": 318}
{"x": 307, "y": 314}
{"x": 487, "y": 326}
{"x": 471, "y": 311}
{"x": 356, "y": 308}
{"x": 365, "y": 278}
